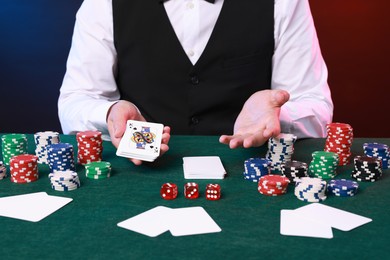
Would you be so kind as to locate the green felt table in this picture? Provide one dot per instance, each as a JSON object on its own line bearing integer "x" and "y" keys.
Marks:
{"x": 87, "y": 228}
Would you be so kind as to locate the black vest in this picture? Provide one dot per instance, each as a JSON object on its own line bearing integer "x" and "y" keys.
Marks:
{"x": 156, "y": 75}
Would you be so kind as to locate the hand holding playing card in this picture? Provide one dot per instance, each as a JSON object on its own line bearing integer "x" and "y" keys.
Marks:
{"x": 141, "y": 141}
{"x": 258, "y": 119}
{"x": 117, "y": 118}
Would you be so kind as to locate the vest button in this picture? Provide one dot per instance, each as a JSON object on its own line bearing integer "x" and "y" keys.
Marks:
{"x": 194, "y": 120}
{"x": 194, "y": 80}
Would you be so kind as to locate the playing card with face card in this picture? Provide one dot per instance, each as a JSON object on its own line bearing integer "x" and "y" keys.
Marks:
{"x": 142, "y": 140}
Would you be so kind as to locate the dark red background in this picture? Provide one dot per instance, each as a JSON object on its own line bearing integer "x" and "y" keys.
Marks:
{"x": 354, "y": 37}
{"x": 35, "y": 37}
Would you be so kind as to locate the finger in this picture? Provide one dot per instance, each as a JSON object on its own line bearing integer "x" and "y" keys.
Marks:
{"x": 119, "y": 127}
{"x": 115, "y": 141}
{"x": 139, "y": 117}
{"x": 167, "y": 130}
{"x": 165, "y": 141}
{"x": 254, "y": 140}
{"x": 225, "y": 139}
{"x": 279, "y": 97}
{"x": 236, "y": 141}
{"x": 166, "y": 136}
{"x": 268, "y": 133}
{"x": 271, "y": 132}
{"x": 136, "y": 161}
{"x": 163, "y": 149}
{"x": 272, "y": 129}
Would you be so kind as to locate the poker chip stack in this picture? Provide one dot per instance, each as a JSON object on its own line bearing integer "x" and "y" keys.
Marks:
{"x": 310, "y": 189}
{"x": 294, "y": 170}
{"x": 13, "y": 144}
{"x": 24, "y": 168}
{"x": 64, "y": 180}
{"x": 367, "y": 169}
{"x": 280, "y": 150}
{"x": 339, "y": 140}
{"x": 380, "y": 151}
{"x": 255, "y": 168}
{"x": 3, "y": 171}
{"x": 324, "y": 164}
{"x": 98, "y": 170}
{"x": 343, "y": 187}
{"x": 60, "y": 157}
{"x": 42, "y": 140}
{"x": 90, "y": 146}
{"x": 273, "y": 185}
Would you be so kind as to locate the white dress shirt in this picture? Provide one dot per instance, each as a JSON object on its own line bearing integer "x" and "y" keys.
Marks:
{"x": 89, "y": 89}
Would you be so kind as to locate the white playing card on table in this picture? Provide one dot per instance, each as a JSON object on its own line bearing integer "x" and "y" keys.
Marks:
{"x": 180, "y": 222}
{"x": 192, "y": 221}
{"x": 291, "y": 224}
{"x": 31, "y": 207}
{"x": 203, "y": 167}
{"x": 150, "y": 223}
{"x": 141, "y": 140}
{"x": 333, "y": 217}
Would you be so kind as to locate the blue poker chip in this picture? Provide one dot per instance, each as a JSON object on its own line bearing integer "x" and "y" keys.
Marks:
{"x": 379, "y": 151}
{"x": 343, "y": 188}
{"x": 251, "y": 179}
{"x": 344, "y": 194}
{"x": 257, "y": 161}
{"x": 343, "y": 184}
{"x": 60, "y": 157}
{"x": 375, "y": 146}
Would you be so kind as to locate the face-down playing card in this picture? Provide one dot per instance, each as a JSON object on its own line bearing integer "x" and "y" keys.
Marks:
{"x": 150, "y": 223}
{"x": 180, "y": 222}
{"x": 31, "y": 207}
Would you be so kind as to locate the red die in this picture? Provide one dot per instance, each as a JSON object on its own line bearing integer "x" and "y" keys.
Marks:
{"x": 213, "y": 191}
{"x": 168, "y": 191}
{"x": 191, "y": 190}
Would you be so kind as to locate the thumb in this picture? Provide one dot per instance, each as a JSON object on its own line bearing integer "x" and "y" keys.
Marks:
{"x": 280, "y": 97}
{"x": 119, "y": 127}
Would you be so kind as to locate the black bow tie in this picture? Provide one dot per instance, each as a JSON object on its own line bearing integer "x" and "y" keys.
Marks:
{"x": 210, "y": 1}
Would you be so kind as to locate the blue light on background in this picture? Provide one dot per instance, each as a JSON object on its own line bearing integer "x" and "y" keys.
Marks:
{"x": 35, "y": 37}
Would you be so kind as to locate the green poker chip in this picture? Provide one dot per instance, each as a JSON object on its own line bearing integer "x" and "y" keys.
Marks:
{"x": 324, "y": 165}
{"x": 12, "y": 145}
{"x": 98, "y": 170}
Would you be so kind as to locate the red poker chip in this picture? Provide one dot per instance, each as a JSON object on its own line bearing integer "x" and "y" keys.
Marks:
{"x": 89, "y": 134}
{"x": 338, "y": 146}
{"x": 24, "y": 159}
{"x": 24, "y": 168}
{"x": 22, "y": 171}
{"x": 271, "y": 192}
{"x": 86, "y": 155}
{"x": 91, "y": 151}
{"x": 24, "y": 179}
{"x": 90, "y": 146}
{"x": 273, "y": 185}
{"x": 339, "y": 125}
{"x": 274, "y": 179}
{"x": 339, "y": 140}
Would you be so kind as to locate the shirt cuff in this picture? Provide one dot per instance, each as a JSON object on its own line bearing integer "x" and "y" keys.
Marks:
{"x": 98, "y": 117}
